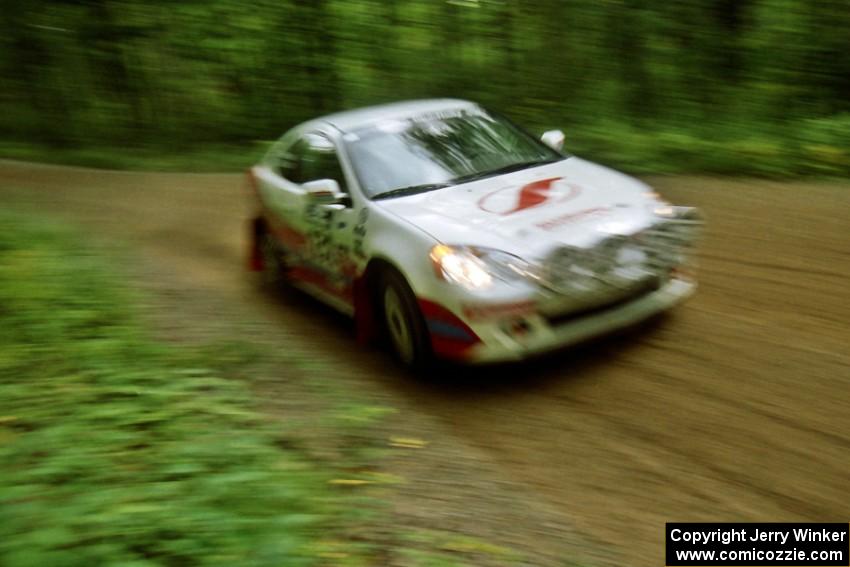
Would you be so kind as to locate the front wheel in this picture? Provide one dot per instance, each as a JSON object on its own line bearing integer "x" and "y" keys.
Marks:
{"x": 403, "y": 322}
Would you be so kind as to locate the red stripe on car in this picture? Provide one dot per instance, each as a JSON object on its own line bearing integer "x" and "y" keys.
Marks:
{"x": 450, "y": 336}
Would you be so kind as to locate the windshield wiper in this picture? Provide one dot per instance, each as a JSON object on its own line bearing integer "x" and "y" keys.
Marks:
{"x": 506, "y": 169}
{"x": 412, "y": 190}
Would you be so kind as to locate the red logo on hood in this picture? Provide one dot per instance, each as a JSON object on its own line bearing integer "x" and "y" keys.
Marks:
{"x": 511, "y": 199}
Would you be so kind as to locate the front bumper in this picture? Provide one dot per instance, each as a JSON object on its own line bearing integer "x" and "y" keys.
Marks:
{"x": 500, "y": 343}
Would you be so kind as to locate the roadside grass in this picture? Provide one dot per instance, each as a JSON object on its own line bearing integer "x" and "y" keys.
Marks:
{"x": 207, "y": 159}
{"x": 118, "y": 449}
{"x": 114, "y": 449}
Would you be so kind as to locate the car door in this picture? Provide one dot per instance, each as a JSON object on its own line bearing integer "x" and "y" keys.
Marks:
{"x": 330, "y": 226}
{"x": 283, "y": 198}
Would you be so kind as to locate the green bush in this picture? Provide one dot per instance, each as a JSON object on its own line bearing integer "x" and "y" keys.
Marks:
{"x": 813, "y": 147}
{"x": 824, "y": 145}
{"x": 112, "y": 450}
{"x": 816, "y": 147}
{"x": 208, "y": 158}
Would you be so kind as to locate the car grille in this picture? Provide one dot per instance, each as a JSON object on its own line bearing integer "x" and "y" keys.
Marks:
{"x": 616, "y": 262}
{"x": 616, "y": 270}
{"x": 645, "y": 287}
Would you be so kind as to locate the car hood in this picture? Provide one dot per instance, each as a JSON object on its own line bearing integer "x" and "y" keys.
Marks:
{"x": 571, "y": 202}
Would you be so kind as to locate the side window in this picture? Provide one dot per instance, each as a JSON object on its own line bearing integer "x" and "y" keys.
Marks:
{"x": 289, "y": 162}
{"x": 320, "y": 161}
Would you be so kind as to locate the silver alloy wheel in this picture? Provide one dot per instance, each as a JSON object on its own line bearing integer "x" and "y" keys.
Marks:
{"x": 398, "y": 325}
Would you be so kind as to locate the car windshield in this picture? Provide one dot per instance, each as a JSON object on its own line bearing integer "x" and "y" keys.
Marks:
{"x": 427, "y": 152}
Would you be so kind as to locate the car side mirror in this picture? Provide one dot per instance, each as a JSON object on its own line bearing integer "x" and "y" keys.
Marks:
{"x": 554, "y": 139}
{"x": 324, "y": 192}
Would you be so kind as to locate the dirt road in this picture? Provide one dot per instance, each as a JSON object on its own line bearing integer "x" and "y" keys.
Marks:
{"x": 735, "y": 407}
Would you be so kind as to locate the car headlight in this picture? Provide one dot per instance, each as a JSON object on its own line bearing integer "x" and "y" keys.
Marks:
{"x": 478, "y": 268}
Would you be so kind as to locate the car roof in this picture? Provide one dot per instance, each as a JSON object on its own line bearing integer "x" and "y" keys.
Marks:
{"x": 353, "y": 119}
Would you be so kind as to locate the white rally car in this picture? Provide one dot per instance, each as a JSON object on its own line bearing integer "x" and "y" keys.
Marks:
{"x": 454, "y": 233}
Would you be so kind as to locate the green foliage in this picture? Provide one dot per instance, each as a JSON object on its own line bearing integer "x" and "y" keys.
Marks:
{"x": 115, "y": 451}
{"x": 812, "y": 147}
{"x": 722, "y": 86}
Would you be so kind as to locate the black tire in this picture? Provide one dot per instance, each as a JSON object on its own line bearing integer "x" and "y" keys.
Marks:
{"x": 402, "y": 322}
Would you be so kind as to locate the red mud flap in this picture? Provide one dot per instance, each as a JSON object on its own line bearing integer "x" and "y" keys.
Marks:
{"x": 364, "y": 313}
